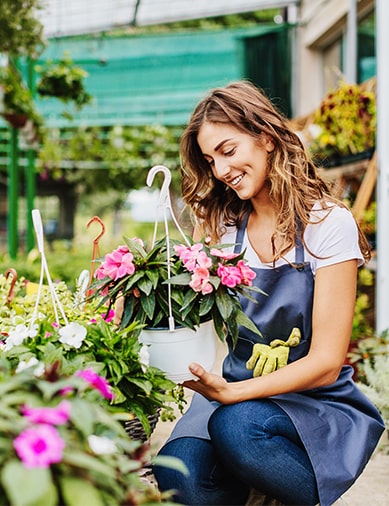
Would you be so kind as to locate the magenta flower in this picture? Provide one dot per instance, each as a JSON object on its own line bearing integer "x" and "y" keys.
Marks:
{"x": 116, "y": 264}
{"x": 96, "y": 381}
{"x": 54, "y": 416}
{"x": 108, "y": 317}
{"x": 247, "y": 274}
{"x": 39, "y": 446}
{"x": 230, "y": 275}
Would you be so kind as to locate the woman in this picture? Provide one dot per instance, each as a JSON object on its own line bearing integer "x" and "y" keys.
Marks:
{"x": 300, "y": 432}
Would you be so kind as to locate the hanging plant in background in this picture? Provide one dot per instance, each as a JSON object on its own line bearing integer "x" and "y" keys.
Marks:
{"x": 65, "y": 81}
{"x": 17, "y": 105}
{"x": 345, "y": 122}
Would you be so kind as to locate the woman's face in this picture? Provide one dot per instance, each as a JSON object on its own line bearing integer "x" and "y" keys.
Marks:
{"x": 236, "y": 158}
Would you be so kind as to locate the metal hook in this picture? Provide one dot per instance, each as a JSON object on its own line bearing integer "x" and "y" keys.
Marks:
{"x": 13, "y": 282}
{"x": 102, "y": 232}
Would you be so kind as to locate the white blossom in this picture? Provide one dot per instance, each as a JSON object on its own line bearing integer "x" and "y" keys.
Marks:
{"x": 144, "y": 357}
{"x": 31, "y": 362}
{"x": 101, "y": 445}
{"x": 19, "y": 334}
{"x": 72, "y": 334}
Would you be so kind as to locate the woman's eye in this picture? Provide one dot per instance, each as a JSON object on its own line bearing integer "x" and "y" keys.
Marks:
{"x": 229, "y": 152}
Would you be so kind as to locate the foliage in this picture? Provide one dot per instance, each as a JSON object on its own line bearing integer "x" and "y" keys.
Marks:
{"x": 367, "y": 351}
{"x": 21, "y": 31}
{"x": 63, "y": 80}
{"x": 17, "y": 96}
{"x": 119, "y": 156}
{"x": 345, "y": 122}
{"x": 361, "y": 327}
{"x": 200, "y": 283}
{"x": 61, "y": 446}
{"x": 87, "y": 338}
{"x": 376, "y": 384}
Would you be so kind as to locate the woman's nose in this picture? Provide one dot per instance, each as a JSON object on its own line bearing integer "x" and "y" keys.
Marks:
{"x": 221, "y": 170}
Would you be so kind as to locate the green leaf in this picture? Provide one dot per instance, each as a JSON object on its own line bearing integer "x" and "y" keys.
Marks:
{"x": 243, "y": 320}
{"x": 28, "y": 487}
{"x": 225, "y": 305}
{"x": 77, "y": 492}
{"x": 148, "y": 305}
{"x": 88, "y": 462}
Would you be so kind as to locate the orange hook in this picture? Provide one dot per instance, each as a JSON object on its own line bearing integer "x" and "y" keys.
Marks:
{"x": 96, "y": 248}
{"x": 13, "y": 282}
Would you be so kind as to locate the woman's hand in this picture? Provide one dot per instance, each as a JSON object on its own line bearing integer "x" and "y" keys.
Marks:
{"x": 211, "y": 386}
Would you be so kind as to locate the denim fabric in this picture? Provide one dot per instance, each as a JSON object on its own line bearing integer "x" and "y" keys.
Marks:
{"x": 253, "y": 444}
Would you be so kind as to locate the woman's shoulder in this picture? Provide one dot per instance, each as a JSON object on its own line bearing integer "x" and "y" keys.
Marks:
{"x": 332, "y": 234}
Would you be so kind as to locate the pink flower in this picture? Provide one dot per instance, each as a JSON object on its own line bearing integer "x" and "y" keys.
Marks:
{"x": 225, "y": 256}
{"x": 39, "y": 446}
{"x": 200, "y": 281}
{"x": 108, "y": 317}
{"x": 230, "y": 275}
{"x": 117, "y": 264}
{"x": 54, "y": 416}
{"x": 188, "y": 255}
{"x": 247, "y": 274}
{"x": 97, "y": 382}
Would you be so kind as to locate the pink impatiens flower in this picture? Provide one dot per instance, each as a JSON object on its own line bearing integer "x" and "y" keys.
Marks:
{"x": 55, "y": 416}
{"x": 221, "y": 254}
{"x": 230, "y": 275}
{"x": 96, "y": 381}
{"x": 247, "y": 274}
{"x": 188, "y": 255}
{"x": 117, "y": 264}
{"x": 200, "y": 281}
{"x": 39, "y": 446}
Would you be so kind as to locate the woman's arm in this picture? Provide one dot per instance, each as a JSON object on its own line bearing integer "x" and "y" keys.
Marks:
{"x": 333, "y": 311}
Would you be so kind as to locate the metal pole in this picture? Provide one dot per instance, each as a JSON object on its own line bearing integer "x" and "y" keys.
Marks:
{"x": 13, "y": 194}
{"x": 351, "y": 43}
{"x": 30, "y": 175}
{"x": 382, "y": 277}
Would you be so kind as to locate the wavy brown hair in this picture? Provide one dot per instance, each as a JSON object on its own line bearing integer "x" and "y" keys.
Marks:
{"x": 294, "y": 182}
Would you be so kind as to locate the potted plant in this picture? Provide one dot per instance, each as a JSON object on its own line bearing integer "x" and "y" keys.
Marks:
{"x": 18, "y": 105}
{"x": 63, "y": 80}
{"x": 60, "y": 445}
{"x": 72, "y": 331}
{"x": 344, "y": 125}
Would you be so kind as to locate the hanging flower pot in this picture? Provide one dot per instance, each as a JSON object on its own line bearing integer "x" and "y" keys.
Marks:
{"x": 173, "y": 351}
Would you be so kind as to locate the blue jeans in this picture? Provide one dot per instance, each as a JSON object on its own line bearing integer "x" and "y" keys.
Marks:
{"x": 253, "y": 444}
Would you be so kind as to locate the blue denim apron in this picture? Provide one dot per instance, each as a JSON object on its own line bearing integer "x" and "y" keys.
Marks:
{"x": 338, "y": 425}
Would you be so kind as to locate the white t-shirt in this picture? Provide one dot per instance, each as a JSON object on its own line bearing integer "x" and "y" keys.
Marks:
{"x": 333, "y": 240}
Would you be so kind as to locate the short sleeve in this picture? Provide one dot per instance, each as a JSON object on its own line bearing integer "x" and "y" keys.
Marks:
{"x": 333, "y": 240}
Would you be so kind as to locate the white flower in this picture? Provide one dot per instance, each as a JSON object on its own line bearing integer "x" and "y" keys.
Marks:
{"x": 101, "y": 445}
{"x": 72, "y": 334}
{"x": 17, "y": 336}
{"x": 31, "y": 362}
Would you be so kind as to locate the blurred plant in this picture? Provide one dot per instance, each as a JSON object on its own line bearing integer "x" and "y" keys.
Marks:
{"x": 376, "y": 382}
{"x": 361, "y": 327}
{"x": 21, "y": 30}
{"x": 63, "y": 80}
{"x": 60, "y": 446}
{"x": 367, "y": 351}
{"x": 345, "y": 122}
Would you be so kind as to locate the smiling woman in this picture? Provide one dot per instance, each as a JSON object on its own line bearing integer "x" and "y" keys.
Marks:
{"x": 267, "y": 422}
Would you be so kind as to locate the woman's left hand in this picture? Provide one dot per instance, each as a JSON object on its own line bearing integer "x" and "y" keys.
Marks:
{"x": 212, "y": 386}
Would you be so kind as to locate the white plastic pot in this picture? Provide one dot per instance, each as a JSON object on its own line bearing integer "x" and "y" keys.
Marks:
{"x": 173, "y": 351}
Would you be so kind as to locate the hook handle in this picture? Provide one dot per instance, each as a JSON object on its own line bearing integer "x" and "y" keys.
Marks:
{"x": 102, "y": 231}
{"x": 10, "y": 295}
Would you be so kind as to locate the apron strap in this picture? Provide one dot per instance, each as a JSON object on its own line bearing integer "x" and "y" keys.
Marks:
{"x": 299, "y": 249}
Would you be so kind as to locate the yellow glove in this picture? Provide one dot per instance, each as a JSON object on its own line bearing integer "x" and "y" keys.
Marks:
{"x": 268, "y": 358}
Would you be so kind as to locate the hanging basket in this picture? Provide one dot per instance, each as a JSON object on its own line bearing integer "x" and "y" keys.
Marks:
{"x": 135, "y": 429}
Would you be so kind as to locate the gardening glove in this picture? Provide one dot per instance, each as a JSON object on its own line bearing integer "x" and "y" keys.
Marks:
{"x": 268, "y": 358}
